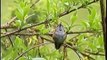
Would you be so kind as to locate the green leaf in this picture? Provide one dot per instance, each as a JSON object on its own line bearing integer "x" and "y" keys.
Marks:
{"x": 44, "y": 31}
{"x": 85, "y": 24}
{"x": 18, "y": 23}
{"x": 44, "y": 50}
{"x": 19, "y": 15}
{"x": 22, "y": 4}
{"x": 22, "y": 58}
{"x": 22, "y": 10}
{"x": 92, "y": 15}
{"x": 65, "y": 24}
{"x": 66, "y": 4}
{"x": 73, "y": 18}
{"x": 26, "y": 10}
{"x": 19, "y": 44}
{"x": 48, "y": 6}
{"x": 10, "y": 54}
{"x": 100, "y": 40}
{"x": 82, "y": 43}
{"x": 89, "y": 9}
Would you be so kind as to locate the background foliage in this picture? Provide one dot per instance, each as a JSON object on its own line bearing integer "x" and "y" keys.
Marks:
{"x": 28, "y": 33}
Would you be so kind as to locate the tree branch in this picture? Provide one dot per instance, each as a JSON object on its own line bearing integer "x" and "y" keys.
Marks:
{"x": 103, "y": 16}
{"x": 7, "y": 25}
{"x": 50, "y": 34}
{"x": 80, "y": 32}
{"x": 10, "y": 33}
{"x": 34, "y": 3}
{"x": 10, "y": 39}
{"x": 97, "y": 53}
{"x": 88, "y": 55}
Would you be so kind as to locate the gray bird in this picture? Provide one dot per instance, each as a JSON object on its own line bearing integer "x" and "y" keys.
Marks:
{"x": 59, "y": 36}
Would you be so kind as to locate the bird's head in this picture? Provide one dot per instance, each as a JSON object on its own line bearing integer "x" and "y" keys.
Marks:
{"x": 60, "y": 28}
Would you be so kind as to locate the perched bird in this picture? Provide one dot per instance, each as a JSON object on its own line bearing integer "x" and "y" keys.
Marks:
{"x": 59, "y": 36}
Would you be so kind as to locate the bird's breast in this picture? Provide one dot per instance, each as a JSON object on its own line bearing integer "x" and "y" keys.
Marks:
{"x": 59, "y": 37}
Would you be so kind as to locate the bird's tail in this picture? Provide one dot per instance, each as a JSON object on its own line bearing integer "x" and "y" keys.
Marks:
{"x": 58, "y": 45}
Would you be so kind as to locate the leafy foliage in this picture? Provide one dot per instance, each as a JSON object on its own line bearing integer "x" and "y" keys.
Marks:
{"x": 50, "y": 11}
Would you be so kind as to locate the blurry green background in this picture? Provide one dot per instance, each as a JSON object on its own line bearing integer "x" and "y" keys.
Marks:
{"x": 7, "y": 6}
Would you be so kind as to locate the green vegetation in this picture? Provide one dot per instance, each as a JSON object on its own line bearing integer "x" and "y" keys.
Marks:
{"x": 28, "y": 26}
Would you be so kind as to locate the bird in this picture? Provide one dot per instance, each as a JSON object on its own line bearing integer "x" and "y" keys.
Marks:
{"x": 59, "y": 36}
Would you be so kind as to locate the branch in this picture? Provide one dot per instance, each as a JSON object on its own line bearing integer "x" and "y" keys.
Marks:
{"x": 50, "y": 34}
{"x": 88, "y": 55}
{"x": 97, "y": 53}
{"x": 80, "y": 32}
{"x": 10, "y": 33}
{"x": 10, "y": 39}
{"x": 65, "y": 53}
{"x": 80, "y": 58}
{"x": 7, "y": 25}
{"x": 12, "y": 20}
{"x": 47, "y": 39}
{"x": 31, "y": 34}
{"x": 103, "y": 16}
{"x": 29, "y": 50}
{"x": 34, "y": 3}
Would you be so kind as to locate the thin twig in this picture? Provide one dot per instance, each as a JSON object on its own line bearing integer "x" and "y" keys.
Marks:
{"x": 7, "y": 25}
{"x": 65, "y": 53}
{"x": 98, "y": 53}
{"x": 78, "y": 54}
{"x": 12, "y": 20}
{"x": 34, "y": 3}
{"x": 88, "y": 55}
{"x": 80, "y": 32}
{"x": 47, "y": 39}
{"x": 10, "y": 39}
